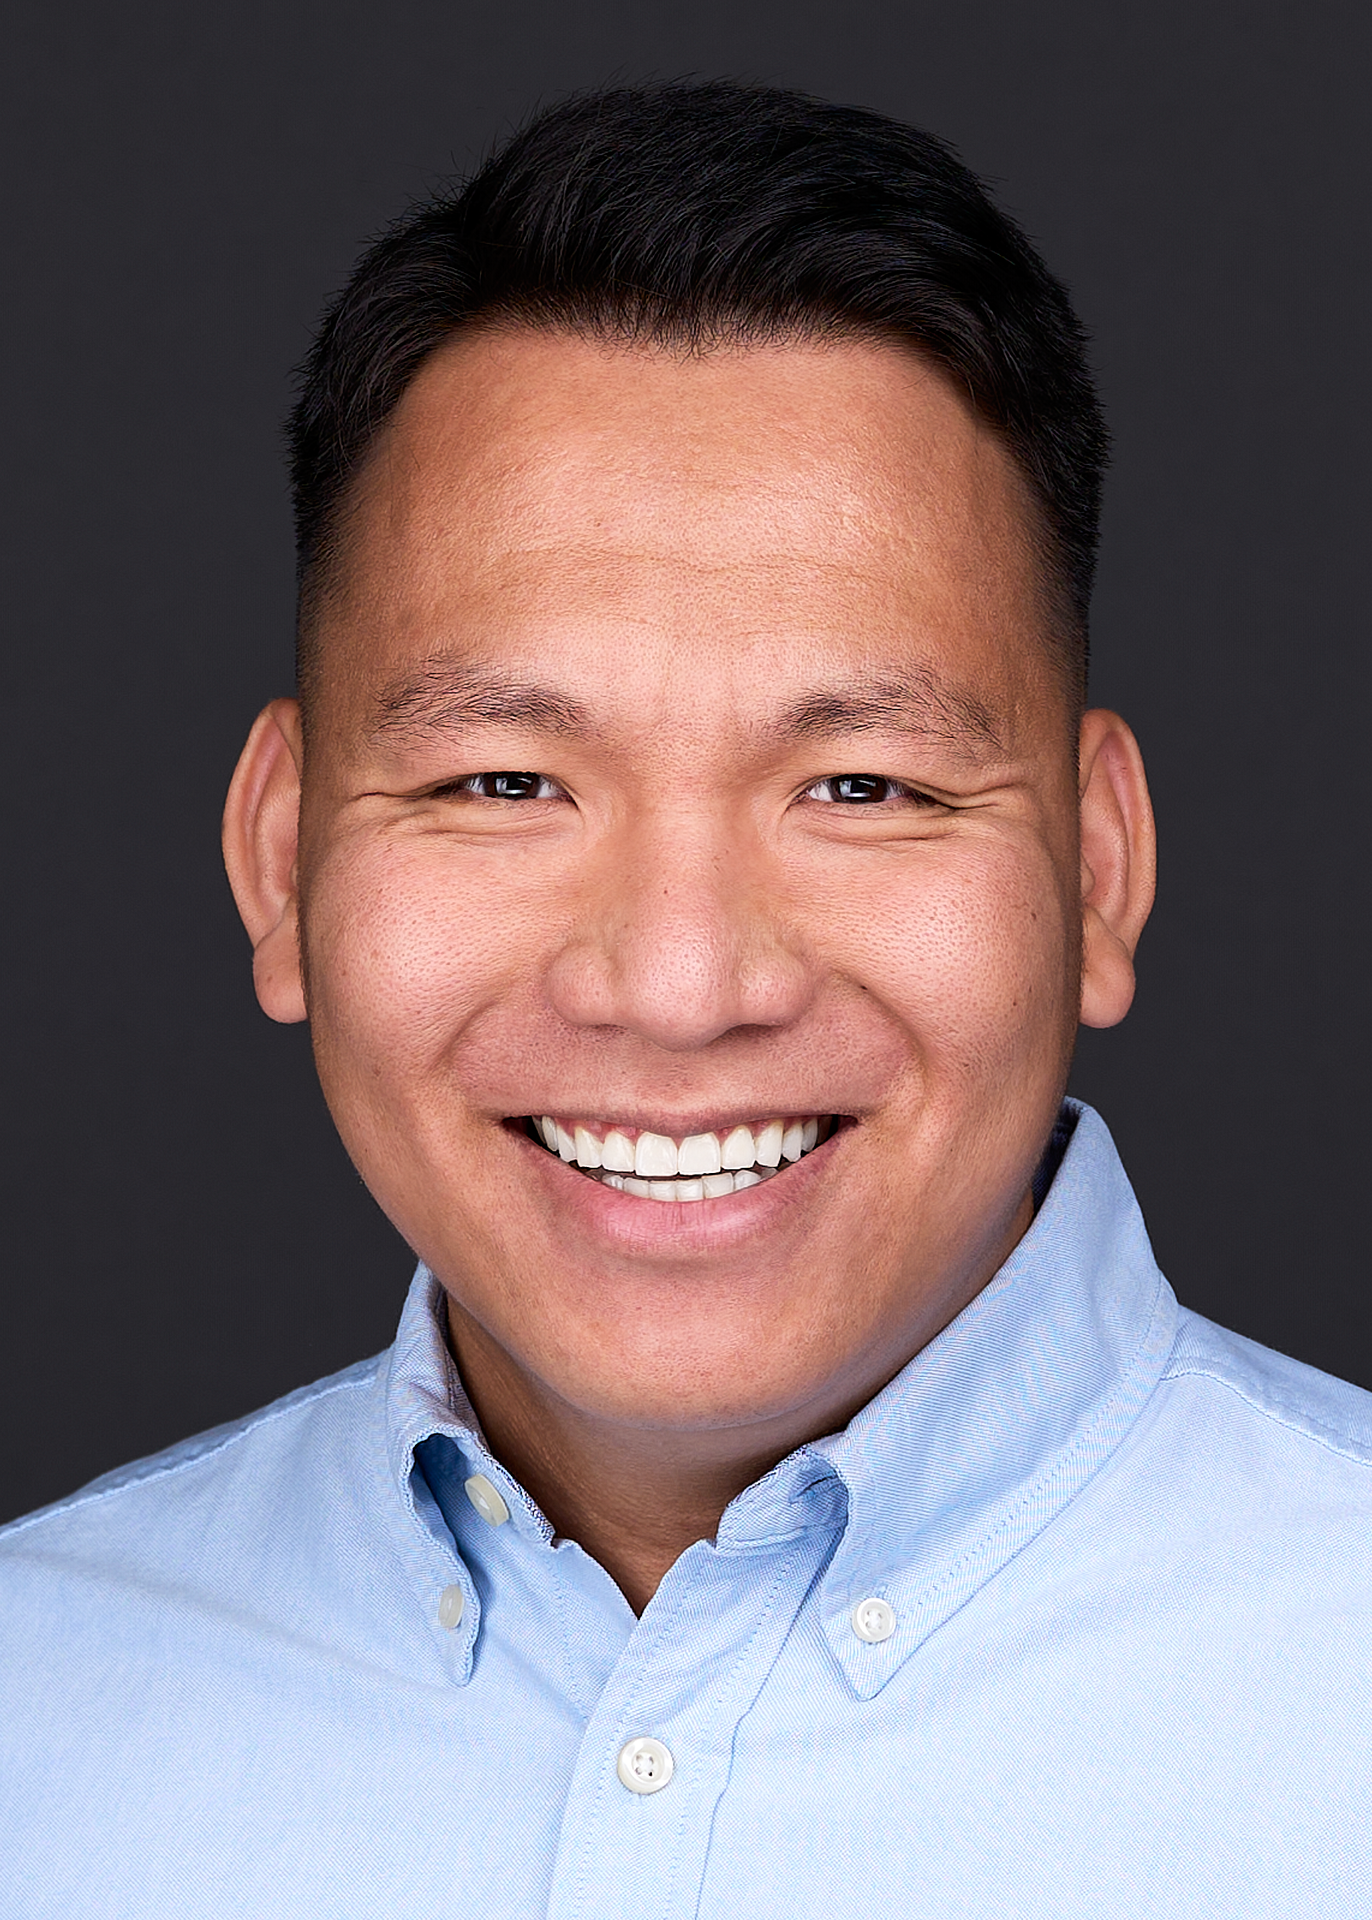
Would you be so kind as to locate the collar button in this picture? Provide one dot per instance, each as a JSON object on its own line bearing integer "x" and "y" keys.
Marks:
{"x": 873, "y": 1620}
{"x": 487, "y": 1500}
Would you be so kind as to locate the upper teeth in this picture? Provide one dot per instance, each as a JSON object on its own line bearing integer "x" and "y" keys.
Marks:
{"x": 657, "y": 1157}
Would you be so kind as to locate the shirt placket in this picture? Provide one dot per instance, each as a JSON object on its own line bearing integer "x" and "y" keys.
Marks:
{"x": 657, "y": 1749}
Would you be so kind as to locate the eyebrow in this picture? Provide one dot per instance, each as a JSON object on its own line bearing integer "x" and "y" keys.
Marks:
{"x": 445, "y": 696}
{"x": 915, "y": 701}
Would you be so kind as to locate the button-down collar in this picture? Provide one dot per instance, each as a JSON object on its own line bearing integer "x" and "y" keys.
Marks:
{"x": 939, "y": 1480}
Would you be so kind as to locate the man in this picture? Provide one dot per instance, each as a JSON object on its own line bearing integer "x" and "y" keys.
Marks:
{"x": 793, "y": 1490}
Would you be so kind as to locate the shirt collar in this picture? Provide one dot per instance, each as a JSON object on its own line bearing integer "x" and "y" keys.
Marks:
{"x": 422, "y": 1397}
{"x": 967, "y": 1454}
{"x": 994, "y": 1426}
{"x": 425, "y": 1396}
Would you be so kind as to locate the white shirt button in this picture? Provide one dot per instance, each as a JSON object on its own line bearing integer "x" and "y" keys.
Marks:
{"x": 486, "y": 1499}
{"x": 874, "y": 1620}
{"x": 644, "y": 1766}
{"x": 450, "y": 1604}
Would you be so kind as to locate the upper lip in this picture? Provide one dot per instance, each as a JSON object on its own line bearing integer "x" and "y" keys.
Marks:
{"x": 680, "y": 1126}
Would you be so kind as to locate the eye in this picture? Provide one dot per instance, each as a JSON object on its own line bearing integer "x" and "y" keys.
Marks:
{"x": 507, "y": 786}
{"x": 860, "y": 790}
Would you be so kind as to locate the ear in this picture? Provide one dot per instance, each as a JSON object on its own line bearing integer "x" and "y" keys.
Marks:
{"x": 261, "y": 832}
{"x": 1118, "y": 864}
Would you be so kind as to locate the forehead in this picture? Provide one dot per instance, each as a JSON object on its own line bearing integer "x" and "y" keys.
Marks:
{"x": 539, "y": 494}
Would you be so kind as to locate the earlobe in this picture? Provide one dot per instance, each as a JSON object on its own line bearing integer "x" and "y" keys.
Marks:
{"x": 261, "y": 835}
{"x": 1118, "y": 864}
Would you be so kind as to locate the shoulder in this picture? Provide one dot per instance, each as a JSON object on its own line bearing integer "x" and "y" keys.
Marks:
{"x": 244, "y": 1460}
{"x": 1245, "y": 1452}
{"x": 1256, "y": 1389}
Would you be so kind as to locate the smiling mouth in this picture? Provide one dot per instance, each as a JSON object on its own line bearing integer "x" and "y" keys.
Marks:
{"x": 700, "y": 1166}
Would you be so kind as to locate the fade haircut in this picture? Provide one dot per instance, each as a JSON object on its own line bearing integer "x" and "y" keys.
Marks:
{"x": 695, "y": 216}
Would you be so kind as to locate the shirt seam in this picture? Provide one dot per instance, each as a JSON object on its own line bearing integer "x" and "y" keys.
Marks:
{"x": 1272, "y": 1406}
{"x": 268, "y": 1416}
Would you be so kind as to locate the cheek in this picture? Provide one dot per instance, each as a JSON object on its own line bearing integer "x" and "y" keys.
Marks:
{"x": 971, "y": 949}
{"x": 403, "y": 953}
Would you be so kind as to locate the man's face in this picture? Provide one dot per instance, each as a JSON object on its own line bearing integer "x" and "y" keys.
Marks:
{"x": 687, "y": 758}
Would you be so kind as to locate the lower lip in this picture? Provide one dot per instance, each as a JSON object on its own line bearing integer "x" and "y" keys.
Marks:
{"x": 675, "y": 1226}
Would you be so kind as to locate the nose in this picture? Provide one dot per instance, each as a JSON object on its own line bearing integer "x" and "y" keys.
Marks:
{"x": 681, "y": 938}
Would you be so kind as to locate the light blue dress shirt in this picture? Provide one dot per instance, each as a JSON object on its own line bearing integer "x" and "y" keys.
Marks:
{"x": 1121, "y": 1664}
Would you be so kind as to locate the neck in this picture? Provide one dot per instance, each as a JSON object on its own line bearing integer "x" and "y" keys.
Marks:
{"x": 634, "y": 1498}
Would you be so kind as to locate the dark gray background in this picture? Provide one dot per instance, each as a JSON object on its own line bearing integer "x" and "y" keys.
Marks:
{"x": 185, "y": 1238}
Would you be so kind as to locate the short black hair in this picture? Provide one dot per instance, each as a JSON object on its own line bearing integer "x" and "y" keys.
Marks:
{"x": 694, "y": 215}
